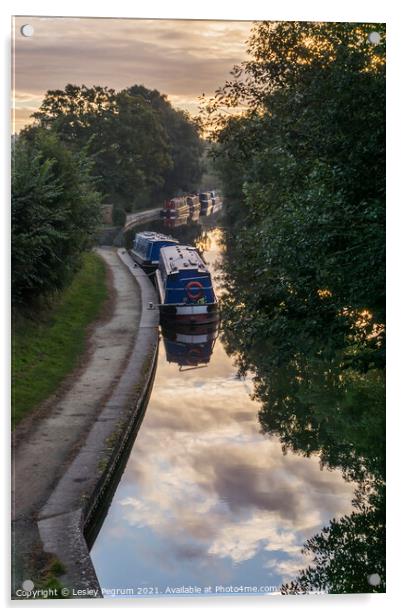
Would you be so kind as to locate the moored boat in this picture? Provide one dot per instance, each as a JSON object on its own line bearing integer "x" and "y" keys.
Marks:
{"x": 173, "y": 208}
{"x": 195, "y": 215}
{"x": 193, "y": 203}
{"x": 146, "y": 249}
{"x": 216, "y": 205}
{"x": 185, "y": 287}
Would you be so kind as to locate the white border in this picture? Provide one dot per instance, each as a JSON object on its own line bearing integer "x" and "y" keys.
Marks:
{"x": 342, "y": 10}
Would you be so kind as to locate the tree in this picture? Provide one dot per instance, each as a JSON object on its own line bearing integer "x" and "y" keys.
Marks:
{"x": 143, "y": 149}
{"x": 54, "y": 213}
{"x": 185, "y": 145}
{"x": 303, "y": 170}
{"x": 303, "y": 173}
{"x": 121, "y": 133}
{"x": 348, "y": 555}
{"x": 74, "y": 110}
{"x": 131, "y": 153}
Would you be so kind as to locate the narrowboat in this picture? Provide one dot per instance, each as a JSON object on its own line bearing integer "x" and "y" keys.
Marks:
{"x": 206, "y": 208}
{"x": 194, "y": 216}
{"x": 204, "y": 196}
{"x": 185, "y": 287}
{"x": 146, "y": 249}
{"x": 189, "y": 346}
{"x": 208, "y": 194}
{"x": 173, "y": 208}
{"x": 216, "y": 201}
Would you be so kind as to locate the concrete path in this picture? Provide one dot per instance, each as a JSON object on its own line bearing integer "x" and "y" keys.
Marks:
{"x": 39, "y": 459}
{"x": 42, "y": 456}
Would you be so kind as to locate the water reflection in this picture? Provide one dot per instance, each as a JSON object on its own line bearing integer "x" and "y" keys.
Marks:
{"x": 179, "y": 221}
{"x": 319, "y": 379}
{"x": 186, "y": 231}
{"x": 207, "y": 499}
{"x": 189, "y": 346}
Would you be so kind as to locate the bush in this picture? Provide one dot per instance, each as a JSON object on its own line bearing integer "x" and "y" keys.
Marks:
{"x": 54, "y": 214}
{"x": 119, "y": 216}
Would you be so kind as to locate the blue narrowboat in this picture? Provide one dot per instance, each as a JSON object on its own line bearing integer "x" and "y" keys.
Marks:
{"x": 185, "y": 287}
{"x": 146, "y": 249}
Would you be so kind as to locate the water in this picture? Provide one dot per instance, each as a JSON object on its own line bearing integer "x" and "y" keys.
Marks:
{"x": 208, "y": 504}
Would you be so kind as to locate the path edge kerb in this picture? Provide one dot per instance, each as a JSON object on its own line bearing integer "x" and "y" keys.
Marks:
{"x": 63, "y": 520}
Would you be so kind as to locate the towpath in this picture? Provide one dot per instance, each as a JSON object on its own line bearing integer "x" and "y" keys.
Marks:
{"x": 44, "y": 451}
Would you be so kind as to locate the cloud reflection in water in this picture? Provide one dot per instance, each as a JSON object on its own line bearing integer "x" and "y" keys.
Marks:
{"x": 205, "y": 497}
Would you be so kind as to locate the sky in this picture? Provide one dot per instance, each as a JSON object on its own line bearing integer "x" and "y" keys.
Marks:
{"x": 180, "y": 58}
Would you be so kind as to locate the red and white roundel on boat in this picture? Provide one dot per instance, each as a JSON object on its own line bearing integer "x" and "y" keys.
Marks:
{"x": 194, "y": 290}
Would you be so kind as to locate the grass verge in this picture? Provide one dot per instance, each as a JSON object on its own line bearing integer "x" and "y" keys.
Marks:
{"x": 47, "y": 345}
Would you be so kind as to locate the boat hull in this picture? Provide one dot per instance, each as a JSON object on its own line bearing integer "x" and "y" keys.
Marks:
{"x": 191, "y": 314}
{"x": 148, "y": 266}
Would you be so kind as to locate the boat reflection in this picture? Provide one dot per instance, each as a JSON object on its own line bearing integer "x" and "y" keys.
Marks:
{"x": 189, "y": 346}
{"x": 170, "y": 223}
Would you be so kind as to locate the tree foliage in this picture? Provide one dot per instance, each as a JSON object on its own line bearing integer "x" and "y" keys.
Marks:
{"x": 306, "y": 164}
{"x": 54, "y": 213}
{"x": 143, "y": 149}
{"x": 303, "y": 170}
{"x": 185, "y": 145}
{"x": 347, "y": 553}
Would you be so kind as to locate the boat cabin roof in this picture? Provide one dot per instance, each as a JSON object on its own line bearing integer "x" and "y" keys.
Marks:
{"x": 182, "y": 258}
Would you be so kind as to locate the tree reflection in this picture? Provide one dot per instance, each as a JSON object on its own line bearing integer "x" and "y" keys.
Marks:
{"x": 349, "y": 553}
{"x": 322, "y": 392}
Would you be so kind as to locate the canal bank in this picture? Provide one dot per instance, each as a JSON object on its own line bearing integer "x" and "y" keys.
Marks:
{"x": 64, "y": 465}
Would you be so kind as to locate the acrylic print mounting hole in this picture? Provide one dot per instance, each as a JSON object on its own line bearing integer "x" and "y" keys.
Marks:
{"x": 27, "y": 30}
{"x": 374, "y": 38}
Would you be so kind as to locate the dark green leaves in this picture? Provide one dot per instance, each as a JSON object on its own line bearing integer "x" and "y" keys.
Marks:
{"x": 303, "y": 172}
{"x": 143, "y": 149}
{"x": 54, "y": 213}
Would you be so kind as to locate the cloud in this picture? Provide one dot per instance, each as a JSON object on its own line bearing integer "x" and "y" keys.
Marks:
{"x": 180, "y": 58}
{"x": 243, "y": 486}
{"x": 288, "y": 568}
{"x": 211, "y": 491}
{"x": 230, "y": 498}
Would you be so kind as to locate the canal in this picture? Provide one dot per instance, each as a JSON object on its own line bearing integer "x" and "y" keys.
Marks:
{"x": 208, "y": 503}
